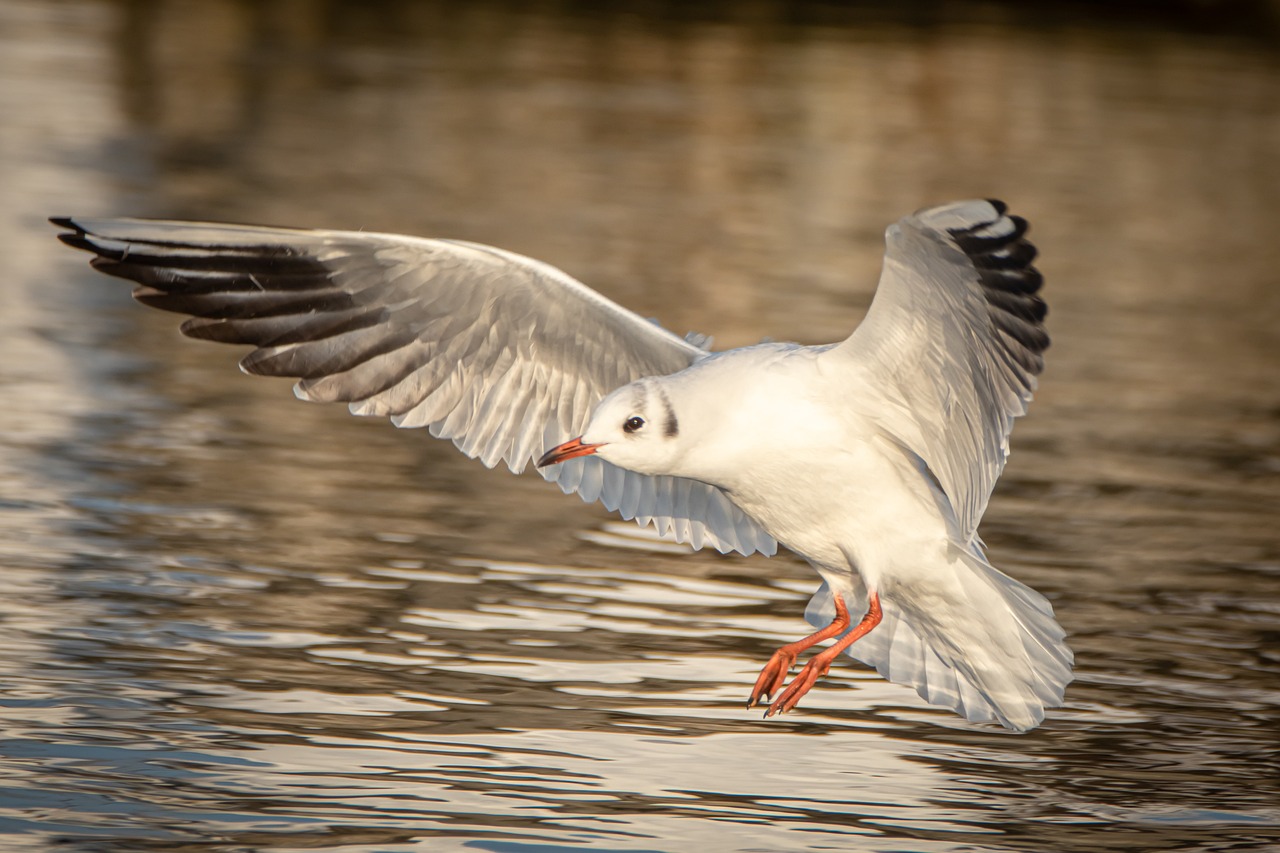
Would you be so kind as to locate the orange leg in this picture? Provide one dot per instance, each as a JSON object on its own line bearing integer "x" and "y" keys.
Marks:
{"x": 821, "y": 662}
{"x": 775, "y": 671}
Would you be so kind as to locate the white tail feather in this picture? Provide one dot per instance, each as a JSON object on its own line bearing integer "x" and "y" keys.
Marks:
{"x": 986, "y": 646}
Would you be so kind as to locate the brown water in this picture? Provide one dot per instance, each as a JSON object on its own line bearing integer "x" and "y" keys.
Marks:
{"x": 231, "y": 621}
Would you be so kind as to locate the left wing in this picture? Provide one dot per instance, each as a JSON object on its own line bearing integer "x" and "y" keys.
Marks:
{"x": 502, "y": 354}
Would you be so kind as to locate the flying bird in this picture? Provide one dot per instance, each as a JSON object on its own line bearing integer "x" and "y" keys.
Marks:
{"x": 872, "y": 458}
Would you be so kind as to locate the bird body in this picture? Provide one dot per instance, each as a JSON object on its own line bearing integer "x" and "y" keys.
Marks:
{"x": 832, "y": 485}
{"x": 873, "y": 458}
{"x": 816, "y": 477}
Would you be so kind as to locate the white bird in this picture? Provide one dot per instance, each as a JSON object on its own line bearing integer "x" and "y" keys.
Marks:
{"x": 872, "y": 458}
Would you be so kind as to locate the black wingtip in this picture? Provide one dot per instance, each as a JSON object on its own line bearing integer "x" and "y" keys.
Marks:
{"x": 64, "y": 222}
{"x": 78, "y": 240}
{"x": 1000, "y": 206}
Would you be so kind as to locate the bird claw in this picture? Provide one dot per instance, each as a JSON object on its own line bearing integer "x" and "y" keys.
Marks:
{"x": 775, "y": 671}
{"x": 799, "y": 686}
{"x": 771, "y": 677}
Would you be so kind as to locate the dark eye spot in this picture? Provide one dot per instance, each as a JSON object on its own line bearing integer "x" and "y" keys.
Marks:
{"x": 632, "y": 424}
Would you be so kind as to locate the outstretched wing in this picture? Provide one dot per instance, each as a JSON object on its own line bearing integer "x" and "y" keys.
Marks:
{"x": 502, "y": 354}
{"x": 954, "y": 341}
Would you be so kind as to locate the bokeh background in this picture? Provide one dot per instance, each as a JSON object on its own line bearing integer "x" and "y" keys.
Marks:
{"x": 231, "y": 621}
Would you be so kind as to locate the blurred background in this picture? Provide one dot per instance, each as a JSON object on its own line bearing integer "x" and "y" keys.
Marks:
{"x": 231, "y": 621}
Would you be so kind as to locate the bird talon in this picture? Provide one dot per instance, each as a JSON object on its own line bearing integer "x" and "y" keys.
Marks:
{"x": 799, "y": 686}
{"x": 772, "y": 676}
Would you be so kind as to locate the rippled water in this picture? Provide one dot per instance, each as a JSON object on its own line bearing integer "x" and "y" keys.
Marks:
{"x": 231, "y": 621}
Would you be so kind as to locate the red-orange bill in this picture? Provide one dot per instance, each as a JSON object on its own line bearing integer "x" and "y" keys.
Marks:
{"x": 571, "y": 449}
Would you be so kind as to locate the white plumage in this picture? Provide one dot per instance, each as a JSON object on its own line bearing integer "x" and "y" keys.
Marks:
{"x": 873, "y": 458}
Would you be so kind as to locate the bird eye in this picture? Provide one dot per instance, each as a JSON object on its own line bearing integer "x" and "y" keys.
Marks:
{"x": 633, "y": 423}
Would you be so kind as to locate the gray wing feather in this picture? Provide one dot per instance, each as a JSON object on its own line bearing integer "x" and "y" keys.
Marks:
{"x": 501, "y": 354}
{"x": 954, "y": 341}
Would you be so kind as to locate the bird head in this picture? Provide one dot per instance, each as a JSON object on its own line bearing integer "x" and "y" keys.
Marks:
{"x": 635, "y": 427}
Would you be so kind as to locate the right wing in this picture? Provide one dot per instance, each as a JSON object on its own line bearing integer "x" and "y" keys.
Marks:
{"x": 502, "y": 354}
{"x": 953, "y": 342}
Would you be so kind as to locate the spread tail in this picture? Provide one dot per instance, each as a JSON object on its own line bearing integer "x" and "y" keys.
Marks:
{"x": 979, "y": 642}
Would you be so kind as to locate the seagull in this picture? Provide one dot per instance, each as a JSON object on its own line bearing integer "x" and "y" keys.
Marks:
{"x": 872, "y": 458}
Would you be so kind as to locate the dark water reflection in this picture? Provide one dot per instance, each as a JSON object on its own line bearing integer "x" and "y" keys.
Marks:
{"x": 231, "y": 621}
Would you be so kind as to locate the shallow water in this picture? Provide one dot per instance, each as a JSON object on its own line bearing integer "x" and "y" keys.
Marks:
{"x": 231, "y": 621}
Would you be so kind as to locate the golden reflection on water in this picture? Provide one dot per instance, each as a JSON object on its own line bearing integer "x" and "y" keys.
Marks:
{"x": 230, "y": 615}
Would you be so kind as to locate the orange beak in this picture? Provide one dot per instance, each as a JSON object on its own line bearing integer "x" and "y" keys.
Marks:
{"x": 569, "y": 450}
